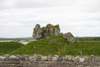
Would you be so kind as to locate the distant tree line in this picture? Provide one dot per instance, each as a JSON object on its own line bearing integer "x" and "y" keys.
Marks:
{"x": 89, "y": 38}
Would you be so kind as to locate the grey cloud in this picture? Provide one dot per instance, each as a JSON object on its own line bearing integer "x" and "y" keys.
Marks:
{"x": 76, "y": 16}
{"x": 96, "y": 19}
{"x": 39, "y": 3}
{"x": 83, "y": 5}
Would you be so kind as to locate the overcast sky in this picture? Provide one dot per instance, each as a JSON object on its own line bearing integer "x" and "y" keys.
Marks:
{"x": 19, "y": 17}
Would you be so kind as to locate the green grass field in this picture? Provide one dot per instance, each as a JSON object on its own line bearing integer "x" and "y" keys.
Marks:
{"x": 55, "y": 44}
{"x": 9, "y": 47}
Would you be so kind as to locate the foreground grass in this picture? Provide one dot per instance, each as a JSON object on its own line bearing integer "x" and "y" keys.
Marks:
{"x": 9, "y": 47}
{"x": 87, "y": 48}
{"x": 55, "y": 44}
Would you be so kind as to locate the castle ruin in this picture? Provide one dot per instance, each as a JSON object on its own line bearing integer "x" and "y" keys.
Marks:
{"x": 47, "y": 31}
{"x": 51, "y": 30}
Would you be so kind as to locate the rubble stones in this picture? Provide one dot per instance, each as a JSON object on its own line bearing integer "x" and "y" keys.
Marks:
{"x": 18, "y": 56}
{"x": 32, "y": 58}
{"x": 1, "y": 58}
{"x": 44, "y": 58}
{"x": 49, "y": 58}
{"x": 81, "y": 59}
{"x": 69, "y": 58}
{"x": 38, "y": 58}
{"x": 69, "y": 37}
{"x": 60, "y": 58}
{"x": 26, "y": 57}
{"x": 65, "y": 58}
{"x": 6, "y": 57}
{"x": 56, "y": 61}
{"x": 54, "y": 58}
{"x": 80, "y": 66}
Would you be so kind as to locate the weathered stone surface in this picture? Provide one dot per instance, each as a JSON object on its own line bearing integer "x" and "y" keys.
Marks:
{"x": 37, "y": 32}
{"x": 44, "y": 58}
{"x": 18, "y": 56}
{"x": 85, "y": 63}
{"x": 13, "y": 58}
{"x": 66, "y": 58}
{"x": 69, "y": 37}
{"x": 32, "y": 58}
{"x": 26, "y": 63}
{"x": 76, "y": 59}
{"x": 80, "y": 66}
{"x": 47, "y": 31}
{"x": 92, "y": 58}
{"x": 12, "y": 62}
{"x": 49, "y": 58}
{"x": 81, "y": 59}
{"x": 57, "y": 61}
{"x": 60, "y": 58}
{"x": 69, "y": 57}
{"x": 1, "y": 58}
{"x": 22, "y": 58}
{"x": 26, "y": 57}
{"x": 54, "y": 58}
{"x": 38, "y": 58}
{"x": 6, "y": 57}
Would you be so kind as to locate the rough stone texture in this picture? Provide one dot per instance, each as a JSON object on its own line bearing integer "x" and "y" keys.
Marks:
{"x": 49, "y": 58}
{"x": 37, "y": 32}
{"x": 69, "y": 37}
{"x": 47, "y": 31}
{"x": 67, "y": 61}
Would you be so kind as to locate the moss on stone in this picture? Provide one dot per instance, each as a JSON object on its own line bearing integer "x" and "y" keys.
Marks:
{"x": 49, "y": 30}
{"x": 70, "y": 34}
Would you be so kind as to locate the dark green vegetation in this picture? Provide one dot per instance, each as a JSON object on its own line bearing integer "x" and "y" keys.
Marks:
{"x": 9, "y": 47}
{"x": 55, "y": 44}
{"x": 89, "y": 38}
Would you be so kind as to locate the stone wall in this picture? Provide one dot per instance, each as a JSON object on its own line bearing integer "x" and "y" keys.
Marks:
{"x": 55, "y": 61}
{"x": 49, "y": 30}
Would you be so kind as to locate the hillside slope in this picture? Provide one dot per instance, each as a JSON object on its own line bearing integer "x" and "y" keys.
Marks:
{"x": 55, "y": 44}
{"x": 9, "y": 47}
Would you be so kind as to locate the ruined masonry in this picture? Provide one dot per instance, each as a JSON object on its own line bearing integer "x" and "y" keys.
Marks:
{"x": 43, "y": 61}
{"x": 70, "y": 38}
{"x": 47, "y": 31}
{"x": 51, "y": 30}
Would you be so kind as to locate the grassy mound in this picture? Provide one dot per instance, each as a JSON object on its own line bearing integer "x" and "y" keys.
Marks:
{"x": 9, "y": 47}
{"x": 55, "y": 44}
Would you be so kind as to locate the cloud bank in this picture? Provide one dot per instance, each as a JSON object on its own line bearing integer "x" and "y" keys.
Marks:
{"x": 19, "y": 17}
